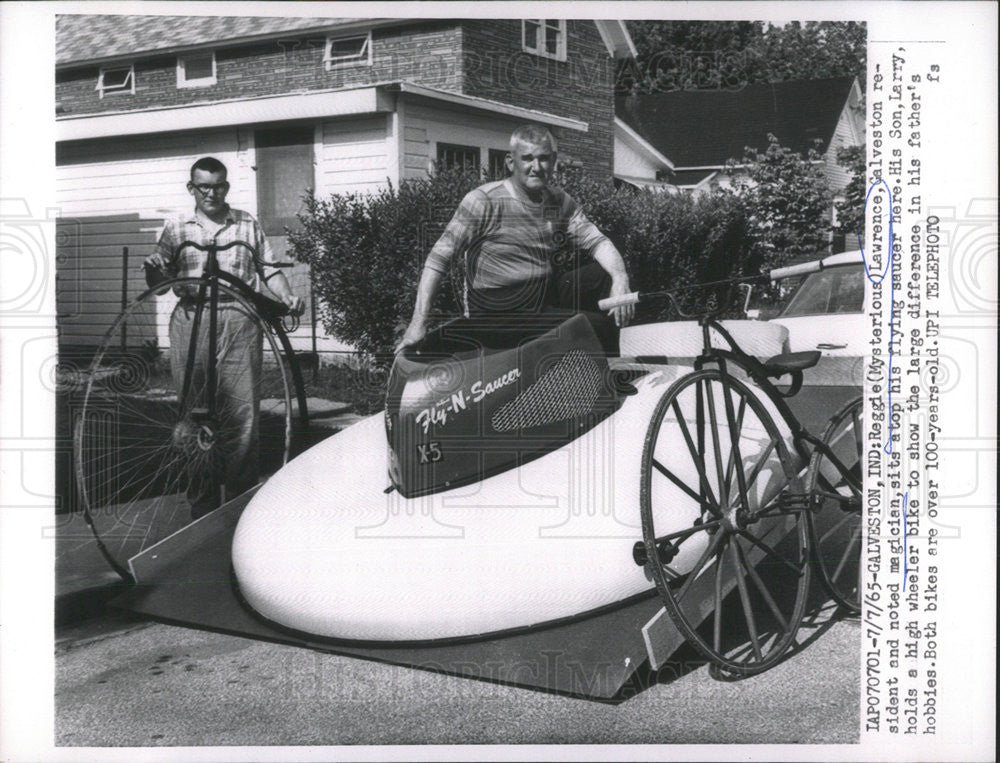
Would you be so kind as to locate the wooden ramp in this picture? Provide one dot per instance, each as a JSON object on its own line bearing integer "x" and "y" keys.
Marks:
{"x": 187, "y": 579}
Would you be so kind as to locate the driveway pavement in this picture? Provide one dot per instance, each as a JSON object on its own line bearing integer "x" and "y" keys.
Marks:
{"x": 124, "y": 682}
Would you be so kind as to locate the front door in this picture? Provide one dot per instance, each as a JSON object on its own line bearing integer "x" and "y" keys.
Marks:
{"x": 285, "y": 174}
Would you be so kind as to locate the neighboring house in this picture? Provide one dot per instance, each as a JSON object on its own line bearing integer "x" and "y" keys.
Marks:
{"x": 297, "y": 104}
{"x": 639, "y": 164}
{"x": 700, "y": 130}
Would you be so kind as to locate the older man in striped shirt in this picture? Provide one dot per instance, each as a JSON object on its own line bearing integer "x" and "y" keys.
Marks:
{"x": 510, "y": 233}
{"x": 240, "y": 342}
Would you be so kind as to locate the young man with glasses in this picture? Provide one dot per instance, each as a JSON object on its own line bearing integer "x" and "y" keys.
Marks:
{"x": 240, "y": 342}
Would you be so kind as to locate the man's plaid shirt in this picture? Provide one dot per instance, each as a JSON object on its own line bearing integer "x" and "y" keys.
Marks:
{"x": 238, "y": 226}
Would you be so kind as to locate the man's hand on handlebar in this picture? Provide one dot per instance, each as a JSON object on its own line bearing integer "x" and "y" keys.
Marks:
{"x": 623, "y": 314}
{"x": 155, "y": 260}
{"x": 296, "y": 305}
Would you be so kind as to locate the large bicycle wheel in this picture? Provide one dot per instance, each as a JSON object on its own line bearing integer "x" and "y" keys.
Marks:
{"x": 835, "y": 518}
{"x": 727, "y": 549}
{"x": 154, "y": 446}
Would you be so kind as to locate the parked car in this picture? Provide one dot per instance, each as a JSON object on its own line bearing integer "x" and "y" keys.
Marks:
{"x": 826, "y": 311}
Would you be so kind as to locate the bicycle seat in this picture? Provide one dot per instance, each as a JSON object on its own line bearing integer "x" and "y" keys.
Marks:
{"x": 790, "y": 362}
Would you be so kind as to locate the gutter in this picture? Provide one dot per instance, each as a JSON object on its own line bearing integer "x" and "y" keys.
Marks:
{"x": 311, "y": 104}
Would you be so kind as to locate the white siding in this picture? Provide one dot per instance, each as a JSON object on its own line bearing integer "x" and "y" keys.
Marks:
{"x": 838, "y": 176}
{"x": 147, "y": 175}
{"x": 850, "y": 131}
{"x": 630, "y": 163}
{"x": 144, "y": 176}
{"x": 354, "y": 155}
{"x": 425, "y": 126}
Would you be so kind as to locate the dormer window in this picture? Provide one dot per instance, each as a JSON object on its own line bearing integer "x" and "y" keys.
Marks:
{"x": 544, "y": 37}
{"x": 196, "y": 70}
{"x": 116, "y": 79}
{"x": 346, "y": 51}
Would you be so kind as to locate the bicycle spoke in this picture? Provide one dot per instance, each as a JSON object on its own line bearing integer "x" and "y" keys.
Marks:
{"x": 739, "y": 433}
{"x": 843, "y": 520}
{"x": 670, "y": 475}
{"x": 716, "y": 445}
{"x": 797, "y": 569}
{"x": 764, "y": 592}
{"x": 717, "y": 615}
{"x": 771, "y": 445}
{"x": 734, "y": 442}
{"x": 696, "y": 570}
{"x": 698, "y": 461}
{"x": 748, "y": 616}
{"x": 133, "y": 467}
{"x": 855, "y": 537}
{"x": 164, "y": 466}
{"x": 688, "y": 532}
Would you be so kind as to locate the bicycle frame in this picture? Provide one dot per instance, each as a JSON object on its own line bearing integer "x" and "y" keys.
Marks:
{"x": 755, "y": 369}
{"x": 270, "y": 313}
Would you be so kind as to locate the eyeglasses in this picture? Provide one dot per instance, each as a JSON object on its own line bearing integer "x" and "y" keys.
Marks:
{"x": 205, "y": 189}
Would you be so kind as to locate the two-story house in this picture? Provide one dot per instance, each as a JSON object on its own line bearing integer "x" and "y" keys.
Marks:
{"x": 296, "y": 104}
{"x": 700, "y": 130}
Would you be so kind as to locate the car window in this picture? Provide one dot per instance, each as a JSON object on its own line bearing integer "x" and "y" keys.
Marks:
{"x": 836, "y": 290}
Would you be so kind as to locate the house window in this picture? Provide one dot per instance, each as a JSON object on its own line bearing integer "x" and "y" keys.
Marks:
{"x": 116, "y": 79}
{"x": 451, "y": 156}
{"x": 544, "y": 37}
{"x": 497, "y": 167}
{"x": 196, "y": 70}
{"x": 344, "y": 51}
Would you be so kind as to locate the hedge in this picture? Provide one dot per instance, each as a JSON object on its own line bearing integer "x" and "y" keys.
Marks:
{"x": 366, "y": 251}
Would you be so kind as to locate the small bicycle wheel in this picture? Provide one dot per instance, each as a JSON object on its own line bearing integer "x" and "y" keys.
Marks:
{"x": 835, "y": 495}
{"x": 728, "y": 553}
{"x": 154, "y": 446}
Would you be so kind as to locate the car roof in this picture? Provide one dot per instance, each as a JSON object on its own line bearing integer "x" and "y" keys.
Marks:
{"x": 844, "y": 258}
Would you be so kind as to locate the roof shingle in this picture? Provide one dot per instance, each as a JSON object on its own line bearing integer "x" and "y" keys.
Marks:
{"x": 83, "y": 38}
{"x": 704, "y": 128}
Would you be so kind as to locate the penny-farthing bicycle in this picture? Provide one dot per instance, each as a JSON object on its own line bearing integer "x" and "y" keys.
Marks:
{"x": 761, "y": 501}
{"x": 165, "y": 420}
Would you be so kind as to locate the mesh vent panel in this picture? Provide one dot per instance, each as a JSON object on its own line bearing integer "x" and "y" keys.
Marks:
{"x": 568, "y": 389}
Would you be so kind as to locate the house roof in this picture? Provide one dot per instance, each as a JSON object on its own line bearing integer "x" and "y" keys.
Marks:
{"x": 93, "y": 38}
{"x": 704, "y": 128}
{"x": 96, "y": 38}
{"x": 629, "y": 136}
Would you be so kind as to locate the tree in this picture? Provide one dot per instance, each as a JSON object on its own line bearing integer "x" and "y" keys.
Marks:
{"x": 851, "y": 211}
{"x": 699, "y": 55}
{"x": 789, "y": 201}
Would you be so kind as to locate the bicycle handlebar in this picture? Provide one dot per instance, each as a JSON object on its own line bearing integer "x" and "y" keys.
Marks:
{"x": 625, "y": 299}
{"x": 775, "y": 275}
{"x": 230, "y": 245}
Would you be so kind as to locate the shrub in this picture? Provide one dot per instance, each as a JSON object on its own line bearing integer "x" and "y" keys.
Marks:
{"x": 367, "y": 251}
{"x": 789, "y": 198}
{"x": 669, "y": 241}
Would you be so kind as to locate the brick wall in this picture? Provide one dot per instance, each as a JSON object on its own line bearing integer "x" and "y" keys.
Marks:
{"x": 478, "y": 57}
{"x": 428, "y": 54}
{"x": 582, "y": 87}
